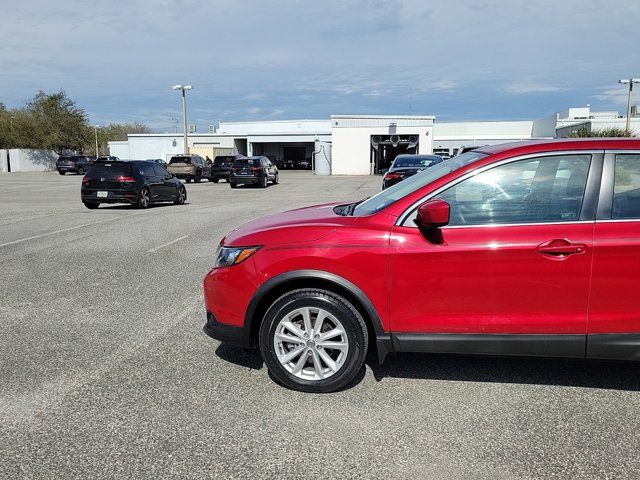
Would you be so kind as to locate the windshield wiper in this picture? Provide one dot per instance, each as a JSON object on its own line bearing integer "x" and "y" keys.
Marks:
{"x": 352, "y": 207}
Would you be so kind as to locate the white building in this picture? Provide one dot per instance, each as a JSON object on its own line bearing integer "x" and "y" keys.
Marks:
{"x": 360, "y": 144}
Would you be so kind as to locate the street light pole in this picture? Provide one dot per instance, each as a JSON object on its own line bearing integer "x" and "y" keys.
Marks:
{"x": 95, "y": 128}
{"x": 184, "y": 88}
{"x": 630, "y": 82}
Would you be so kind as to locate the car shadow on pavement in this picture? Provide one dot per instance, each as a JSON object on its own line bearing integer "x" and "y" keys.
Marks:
{"x": 131, "y": 207}
{"x": 524, "y": 370}
{"x": 459, "y": 368}
{"x": 239, "y": 356}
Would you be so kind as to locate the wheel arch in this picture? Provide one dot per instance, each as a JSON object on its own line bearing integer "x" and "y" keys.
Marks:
{"x": 277, "y": 286}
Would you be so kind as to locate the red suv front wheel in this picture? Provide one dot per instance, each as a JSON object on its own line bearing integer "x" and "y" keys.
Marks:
{"x": 313, "y": 340}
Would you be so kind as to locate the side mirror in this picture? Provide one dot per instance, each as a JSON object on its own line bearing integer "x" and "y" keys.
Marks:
{"x": 433, "y": 214}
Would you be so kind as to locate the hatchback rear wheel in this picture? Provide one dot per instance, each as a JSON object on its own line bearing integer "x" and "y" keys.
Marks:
{"x": 144, "y": 198}
{"x": 313, "y": 341}
{"x": 182, "y": 196}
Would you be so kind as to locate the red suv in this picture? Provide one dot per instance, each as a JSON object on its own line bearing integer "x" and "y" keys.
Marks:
{"x": 527, "y": 248}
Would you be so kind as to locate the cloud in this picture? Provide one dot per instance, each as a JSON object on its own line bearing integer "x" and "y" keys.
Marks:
{"x": 310, "y": 59}
{"x": 613, "y": 95}
{"x": 524, "y": 88}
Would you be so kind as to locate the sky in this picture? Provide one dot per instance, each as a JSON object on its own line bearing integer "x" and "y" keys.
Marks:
{"x": 294, "y": 59}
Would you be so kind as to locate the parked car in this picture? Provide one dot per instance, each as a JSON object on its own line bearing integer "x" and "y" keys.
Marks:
{"x": 253, "y": 170}
{"x": 528, "y": 248}
{"x": 73, "y": 163}
{"x": 139, "y": 183}
{"x": 464, "y": 149}
{"x": 303, "y": 164}
{"x": 405, "y": 165}
{"x": 159, "y": 161}
{"x": 288, "y": 164}
{"x": 190, "y": 167}
{"x": 221, "y": 168}
{"x": 107, "y": 158}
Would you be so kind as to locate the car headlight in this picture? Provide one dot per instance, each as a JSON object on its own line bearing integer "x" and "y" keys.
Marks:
{"x": 228, "y": 256}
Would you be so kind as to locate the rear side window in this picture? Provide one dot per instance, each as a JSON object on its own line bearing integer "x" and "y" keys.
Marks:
{"x": 109, "y": 170}
{"x": 147, "y": 170}
{"x": 543, "y": 189}
{"x": 626, "y": 187}
{"x": 159, "y": 170}
{"x": 180, "y": 160}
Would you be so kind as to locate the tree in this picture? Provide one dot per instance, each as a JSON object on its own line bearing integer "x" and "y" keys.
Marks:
{"x": 607, "y": 132}
{"x": 58, "y": 124}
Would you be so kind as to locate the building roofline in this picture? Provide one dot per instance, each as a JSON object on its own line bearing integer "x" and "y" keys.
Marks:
{"x": 403, "y": 117}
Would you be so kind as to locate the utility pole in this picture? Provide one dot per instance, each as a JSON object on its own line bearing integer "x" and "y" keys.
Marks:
{"x": 95, "y": 128}
{"x": 184, "y": 88}
{"x": 630, "y": 82}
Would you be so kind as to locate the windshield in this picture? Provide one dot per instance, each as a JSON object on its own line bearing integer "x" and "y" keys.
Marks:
{"x": 410, "y": 185}
{"x": 109, "y": 170}
{"x": 411, "y": 161}
{"x": 223, "y": 160}
{"x": 180, "y": 160}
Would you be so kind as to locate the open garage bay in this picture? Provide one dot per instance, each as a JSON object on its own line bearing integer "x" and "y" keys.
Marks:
{"x": 105, "y": 371}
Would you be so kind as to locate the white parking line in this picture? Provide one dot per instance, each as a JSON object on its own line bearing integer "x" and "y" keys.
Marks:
{"x": 154, "y": 250}
{"x": 58, "y": 231}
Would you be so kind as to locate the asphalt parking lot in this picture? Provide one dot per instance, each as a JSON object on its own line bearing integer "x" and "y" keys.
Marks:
{"x": 105, "y": 371}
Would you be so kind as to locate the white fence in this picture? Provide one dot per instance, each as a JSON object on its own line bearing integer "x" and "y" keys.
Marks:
{"x": 27, "y": 160}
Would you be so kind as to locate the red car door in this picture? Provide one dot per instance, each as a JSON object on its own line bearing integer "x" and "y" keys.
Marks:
{"x": 614, "y": 309}
{"x": 514, "y": 259}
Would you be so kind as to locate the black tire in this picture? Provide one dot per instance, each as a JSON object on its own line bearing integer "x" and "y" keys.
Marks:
{"x": 215, "y": 180}
{"x": 80, "y": 170}
{"x": 61, "y": 173}
{"x": 189, "y": 180}
{"x": 352, "y": 321}
{"x": 182, "y": 196}
{"x": 144, "y": 198}
{"x": 264, "y": 183}
{"x": 198, "y": 177}
{"x": 233, "y": 184}
{"x": 275, "y": 179}
{"x": 91, "y": 205}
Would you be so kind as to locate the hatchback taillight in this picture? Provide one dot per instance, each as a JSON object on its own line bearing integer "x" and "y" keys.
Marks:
{"x": 124, "y": 179}
{"x": 86, "y": 180}
{"x": 256, "y": 169}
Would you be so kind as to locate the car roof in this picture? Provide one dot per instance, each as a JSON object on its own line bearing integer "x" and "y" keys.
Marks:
{"x": 543, "y": 145}
{"x": 416, "y": 155}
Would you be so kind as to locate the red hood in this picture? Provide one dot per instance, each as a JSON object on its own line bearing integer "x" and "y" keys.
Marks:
{"x": 309, "y": 224}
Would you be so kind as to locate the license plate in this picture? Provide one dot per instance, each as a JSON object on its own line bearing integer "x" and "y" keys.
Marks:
{"x": 103, "y": 194}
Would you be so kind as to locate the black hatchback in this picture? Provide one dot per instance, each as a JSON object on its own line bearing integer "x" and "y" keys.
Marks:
{"x": 138, "y": 183}
{"x": 407, "y": 165}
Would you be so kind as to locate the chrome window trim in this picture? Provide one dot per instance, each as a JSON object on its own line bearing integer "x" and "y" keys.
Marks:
{"x": 400, "y": 222}
{"x": 619, "y": 220}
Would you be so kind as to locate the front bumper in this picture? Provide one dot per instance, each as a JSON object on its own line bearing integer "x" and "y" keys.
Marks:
{"x": 67, "y": 168}
{"x": 226, "y": 333}
{"x": 222, "y": 175}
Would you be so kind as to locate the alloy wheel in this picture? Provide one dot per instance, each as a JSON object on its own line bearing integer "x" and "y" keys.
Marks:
{"x": 311, "y": 343}
{"x": 144, "y": 198}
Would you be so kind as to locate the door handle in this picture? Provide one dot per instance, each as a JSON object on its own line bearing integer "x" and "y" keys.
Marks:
{"x": 561, "y": 248}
